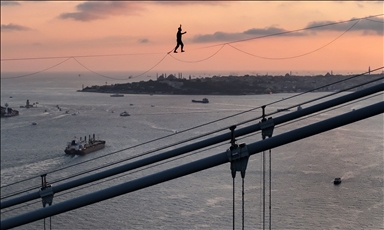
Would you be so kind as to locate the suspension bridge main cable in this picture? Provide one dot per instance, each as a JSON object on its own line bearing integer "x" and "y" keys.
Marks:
{"x": 199, "y": 127}
{"x": 367, "y": 18}
{"x": 159, "y": 61}
{"x": 186, "y": 140}
{"x": 120, "y": 175}
{"x": 193, "y": 153}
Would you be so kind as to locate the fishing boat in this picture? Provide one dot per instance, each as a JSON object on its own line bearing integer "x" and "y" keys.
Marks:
{"x": 337, "y": 180}
{"x": 124, "y": 114}
{"x": 117, "y": 95}
{"x": 83, "y": 147}
{"x": 205, "y": 100}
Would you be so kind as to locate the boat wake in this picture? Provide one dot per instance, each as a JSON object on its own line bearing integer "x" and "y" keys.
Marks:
{"x": 35, "y": 168}
{"x": 153, "y": 126}
{"x": 348, "y": 175}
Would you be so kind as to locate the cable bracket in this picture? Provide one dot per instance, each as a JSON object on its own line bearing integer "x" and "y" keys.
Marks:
{"x": 238, "y": 155}
{"x": 266, "y": 125}
{"x": 46, "y": 191}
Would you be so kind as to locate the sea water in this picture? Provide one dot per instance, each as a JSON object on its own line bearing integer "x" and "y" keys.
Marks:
{"x": 303, "y": 194}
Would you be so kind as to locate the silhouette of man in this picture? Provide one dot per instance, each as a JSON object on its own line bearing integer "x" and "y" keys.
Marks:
{"x": 178, "y": 39}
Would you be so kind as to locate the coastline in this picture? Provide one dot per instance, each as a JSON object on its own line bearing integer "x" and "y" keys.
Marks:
{"x": 237, "y": 85}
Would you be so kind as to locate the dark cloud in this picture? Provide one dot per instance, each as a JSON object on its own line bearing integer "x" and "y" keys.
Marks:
{"x": 89, "y": 11}
{"x": 272, "y": 30}
{"x": 370, "y": 26}
{"x": 9, "y": 3}
{"x": 13, "y": 27}
{"x": 366, "y": 26}
{"x": 143, "y": 40}
{"x": 254, "y": 32}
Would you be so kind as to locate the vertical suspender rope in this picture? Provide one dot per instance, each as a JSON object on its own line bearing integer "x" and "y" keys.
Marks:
{"x": 233, "y": 202}
{"x": 46, "y": 194}
{"x": 242, "y": 198}
{"x": 263, "y": 190}
{"x": 267, "y": 126}
{"x": 270, "y": 190}
{"x": 238, "y": 155}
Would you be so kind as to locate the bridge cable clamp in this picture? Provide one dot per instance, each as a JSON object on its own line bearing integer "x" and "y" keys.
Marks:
{"x": 238, "y": 155}
{"x": 266, "y": 126}
{"x": 46, "y": 191}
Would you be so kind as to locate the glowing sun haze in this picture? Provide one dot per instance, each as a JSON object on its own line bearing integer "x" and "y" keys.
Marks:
{"x": 221, "y": 35}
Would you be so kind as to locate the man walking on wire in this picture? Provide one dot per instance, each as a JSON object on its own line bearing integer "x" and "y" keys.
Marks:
{"x": 179, "y": 42}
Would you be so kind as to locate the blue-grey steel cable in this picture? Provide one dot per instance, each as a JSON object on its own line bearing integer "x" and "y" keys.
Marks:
{"x": 197, "y": 145}
{"x": 200, "y": 136}
{"x": 194, "y": 167}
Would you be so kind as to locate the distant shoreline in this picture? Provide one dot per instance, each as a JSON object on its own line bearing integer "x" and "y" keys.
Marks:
{"x": 237, "y": 85}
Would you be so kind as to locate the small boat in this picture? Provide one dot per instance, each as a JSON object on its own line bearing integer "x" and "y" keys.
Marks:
{"x": 83, "y": 147}
{"x": 205, "y": 100}
{"x": 337, "y": 180}
{"x": 8, "y": 112}
{"x": 117, "y": 95}
{"x": 124, "y": 114}
{"x": 34, "y": 123}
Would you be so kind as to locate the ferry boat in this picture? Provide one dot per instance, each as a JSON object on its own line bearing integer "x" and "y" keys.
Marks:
{"x": 117, "y": 95}
{"x": 83, "y": 147}
{"x": 205, "y": 100}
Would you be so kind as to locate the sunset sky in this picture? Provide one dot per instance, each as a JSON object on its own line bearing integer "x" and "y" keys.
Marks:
{"x": 222, "y": 36}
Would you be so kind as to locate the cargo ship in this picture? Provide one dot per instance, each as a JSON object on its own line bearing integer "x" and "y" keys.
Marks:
{"x": 8, "y": 112}
{"x": 83, "y": 147}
